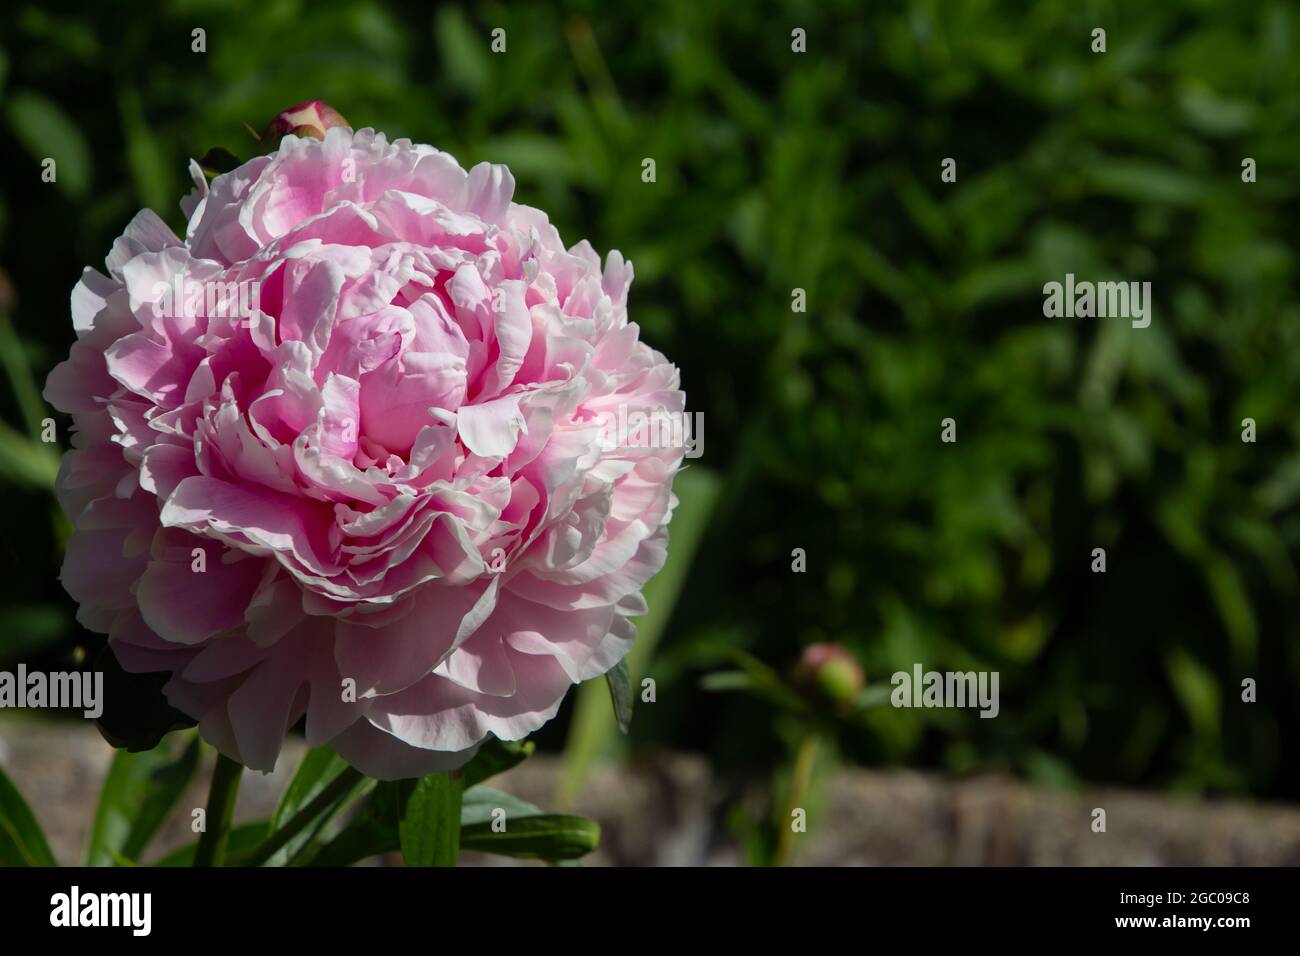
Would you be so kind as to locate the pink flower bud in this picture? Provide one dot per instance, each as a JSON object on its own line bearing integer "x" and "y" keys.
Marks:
{"x": 830, "y": 673}
{"x": 311, "y": 118}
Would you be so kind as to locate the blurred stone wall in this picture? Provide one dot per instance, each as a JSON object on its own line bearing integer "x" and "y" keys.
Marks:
{"x": 665, "y": 812}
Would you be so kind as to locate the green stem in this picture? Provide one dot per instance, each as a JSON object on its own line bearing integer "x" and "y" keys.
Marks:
{"x": 222, "y": 793}
{"x": 335, "y": 789}
{"x": 801, "y": 778}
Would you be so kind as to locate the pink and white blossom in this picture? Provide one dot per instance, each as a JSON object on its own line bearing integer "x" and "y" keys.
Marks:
{"x": 387, "y": 474}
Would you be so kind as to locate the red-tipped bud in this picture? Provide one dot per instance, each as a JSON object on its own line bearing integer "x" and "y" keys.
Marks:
{"x": 312, "y": 119}
{"x": 830, "y": 673}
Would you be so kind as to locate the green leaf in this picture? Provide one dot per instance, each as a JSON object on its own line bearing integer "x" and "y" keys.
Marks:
{"x": 461, "y": 51}
{"x": 479, "y": 803}
{"x": 21, "y": 841}
{"x": 48, "y": 133}
{"x": 619, "y": 679}
{"x": 429, "y": 820}
{"x": 323, "y": 787}
{"x": 318, "y": 768}
{"x": 877, "y": 695}
{"x": 759, "y": 679}
{"x": 371, "y": 832}
{"x": 139, "y": 792}
{"x": 360, "y": 839}
{"x": 329, "y": 824}
{"x": 242, "y": 839}
{"x": 1144, "y": 181}
{"x": 531, "y": 156}
{"x": 1233, "y": 602}
{"x": 526, "y": 831}
{"x": 1197, "y": 689}
{"x": 153, "y": 174}
{"x": 494, "y": 757}
{"x": 530, "y": 833}
{"x": 726, "y": 680}
{"x": 24, "y": 461}
{"x": 28, "y": 629}
{"x": 27, "y": 394}
{"x": 549, "y": 836}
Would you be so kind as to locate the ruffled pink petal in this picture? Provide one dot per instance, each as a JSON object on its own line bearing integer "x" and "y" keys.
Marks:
{"x": 186, "y": 605}
{"x": 96, "y": 572}
{"x": 437, "y": 714}
{"x": 387, "y": 660}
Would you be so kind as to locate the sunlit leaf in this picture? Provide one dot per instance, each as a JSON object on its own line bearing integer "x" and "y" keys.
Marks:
{"x": 47, "y": 132}
{"x": 138, "y": 793}
{"x": 22, "y": 843}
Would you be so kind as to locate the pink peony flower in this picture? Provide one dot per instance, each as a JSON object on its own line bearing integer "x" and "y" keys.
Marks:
{"x": 347, "y": 435}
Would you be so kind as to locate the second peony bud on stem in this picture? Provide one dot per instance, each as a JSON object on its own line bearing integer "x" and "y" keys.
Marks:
{"x": 311, "y": 118}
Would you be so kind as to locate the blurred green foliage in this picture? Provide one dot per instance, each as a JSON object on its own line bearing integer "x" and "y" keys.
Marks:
{"x": 820, "y": 171}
